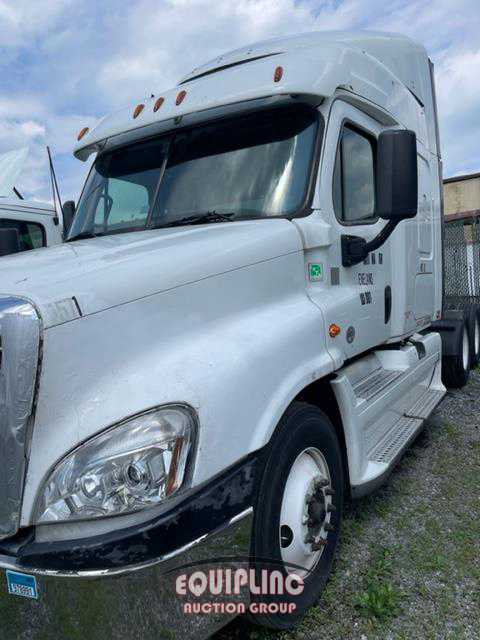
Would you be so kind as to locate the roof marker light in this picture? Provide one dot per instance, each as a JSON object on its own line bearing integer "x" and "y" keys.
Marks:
{"x": 277, "y": 76}
{"x": 83, "y": 132}
{"x": 180, "y": 97}
{"x": 158, "y": 103}
{"x": 138, "y": 110}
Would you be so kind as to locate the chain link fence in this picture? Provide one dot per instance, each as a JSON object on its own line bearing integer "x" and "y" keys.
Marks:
{"x": 462, "y": 260}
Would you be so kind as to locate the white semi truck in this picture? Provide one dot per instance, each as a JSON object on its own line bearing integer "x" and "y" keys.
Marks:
{"x": 244, "y": 328}
{"x": 24, "y": 224}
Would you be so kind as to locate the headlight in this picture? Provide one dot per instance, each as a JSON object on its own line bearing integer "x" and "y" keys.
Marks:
{"x": 131, "y": 466}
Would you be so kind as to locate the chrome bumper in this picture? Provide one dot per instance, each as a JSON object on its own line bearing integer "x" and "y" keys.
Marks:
{"x": 134, "y": 602}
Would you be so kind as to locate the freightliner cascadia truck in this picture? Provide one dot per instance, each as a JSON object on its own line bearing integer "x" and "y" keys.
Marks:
{"x": 244, "y": 328}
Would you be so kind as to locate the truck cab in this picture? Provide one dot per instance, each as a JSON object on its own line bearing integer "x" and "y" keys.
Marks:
{"x": 237, "y": 334}
{"x": 36, "y": 225}
{"x": 24, "y": 224}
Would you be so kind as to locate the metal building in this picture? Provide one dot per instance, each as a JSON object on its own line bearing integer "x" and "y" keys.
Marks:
{"x": 462, "y": 196}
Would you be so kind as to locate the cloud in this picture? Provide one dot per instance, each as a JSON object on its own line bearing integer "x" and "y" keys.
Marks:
{"x": 65, "y": 63}
{"x": 30, "y": 121}
{"x": 459, "y": 107}
{"x": 23, "y": 21}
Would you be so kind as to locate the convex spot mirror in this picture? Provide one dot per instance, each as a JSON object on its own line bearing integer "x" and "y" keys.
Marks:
{"x": 396, "y": 175}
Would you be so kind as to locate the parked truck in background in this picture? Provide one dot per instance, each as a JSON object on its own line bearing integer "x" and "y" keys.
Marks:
{"x": 244, "y": 327}
{"x": 24, "y": 224}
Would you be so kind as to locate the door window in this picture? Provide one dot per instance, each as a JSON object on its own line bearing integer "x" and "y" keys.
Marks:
{"x": 31, "y": 235}
{"x": 354, "y": 178}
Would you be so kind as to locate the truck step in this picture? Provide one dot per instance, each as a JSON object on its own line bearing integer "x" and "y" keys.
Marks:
{"x": 425, "y": 405}
{"x": 396, "y": 440}
{"x": 375, "y": 382}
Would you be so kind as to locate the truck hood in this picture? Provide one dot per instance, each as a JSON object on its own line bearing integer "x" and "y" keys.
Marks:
{"x": 87, "y": 276}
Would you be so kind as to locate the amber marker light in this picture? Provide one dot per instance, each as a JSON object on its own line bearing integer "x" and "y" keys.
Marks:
{"x": 138, "y": 110}
{"x": 180, "y": 97}
{"x": 158, "y": 103}
{"x": 334, "y": 330}
{"x": 277, "y": 76}
{"x": 83, "y": 133}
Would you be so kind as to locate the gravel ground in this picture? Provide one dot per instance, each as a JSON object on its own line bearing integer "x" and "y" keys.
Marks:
{"x": 408, "y": 561}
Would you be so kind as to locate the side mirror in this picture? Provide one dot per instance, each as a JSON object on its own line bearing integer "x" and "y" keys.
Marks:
{"x": 396, "y": 175}
{"x": 68, "y": 211}
{"x": 9, "y": 242}
{"x": 396, "y": 187}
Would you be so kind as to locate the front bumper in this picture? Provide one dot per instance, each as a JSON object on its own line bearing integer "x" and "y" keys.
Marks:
{"x": 122, "y": 585}
{"x": 137, "y": 602}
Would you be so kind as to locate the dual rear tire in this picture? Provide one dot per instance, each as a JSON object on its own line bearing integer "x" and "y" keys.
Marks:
{"x": 461, "y": 343}
{"x": 456, "y": 360}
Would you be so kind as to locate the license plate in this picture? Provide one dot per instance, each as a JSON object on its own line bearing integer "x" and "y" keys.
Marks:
{"x": 22, "y": 584}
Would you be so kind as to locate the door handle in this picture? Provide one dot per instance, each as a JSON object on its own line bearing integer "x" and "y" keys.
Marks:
{"x": 388, "y": 303}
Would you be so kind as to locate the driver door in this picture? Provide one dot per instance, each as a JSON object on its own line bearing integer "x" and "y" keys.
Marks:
{"x": 360, "y": 295}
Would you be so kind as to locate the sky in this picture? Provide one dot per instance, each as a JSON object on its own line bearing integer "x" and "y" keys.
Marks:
{"x": 66, "y": 63}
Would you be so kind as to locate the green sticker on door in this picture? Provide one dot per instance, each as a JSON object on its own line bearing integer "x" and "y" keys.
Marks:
{"x": 315, "y": 271}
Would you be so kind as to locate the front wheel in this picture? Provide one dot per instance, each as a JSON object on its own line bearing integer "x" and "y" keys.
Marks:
{"x": 298, "y": 511}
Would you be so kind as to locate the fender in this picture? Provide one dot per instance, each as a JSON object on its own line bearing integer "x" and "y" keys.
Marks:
{"x": 193, "y": 344}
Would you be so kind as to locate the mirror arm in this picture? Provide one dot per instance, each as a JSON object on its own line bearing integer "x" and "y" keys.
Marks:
{"x": 356, "y": 249}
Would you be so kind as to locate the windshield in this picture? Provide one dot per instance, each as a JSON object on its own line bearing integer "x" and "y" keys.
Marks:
{"x": 253, "y": 166}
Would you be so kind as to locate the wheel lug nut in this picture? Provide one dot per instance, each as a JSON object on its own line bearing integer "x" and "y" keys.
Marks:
{"x": 329, "y": 491}
{"x": 309, "y": 539}
{"x": 328, "y": 527}
{"x": 316, "y": 546}
{"x": 321, "y": 482}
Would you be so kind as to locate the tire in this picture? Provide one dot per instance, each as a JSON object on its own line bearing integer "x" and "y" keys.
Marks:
{"x": 303, "y": 474}
{"x": 456, "y": 367}
{"x": 472, "y": 312}
{"x": 477, "y": 336}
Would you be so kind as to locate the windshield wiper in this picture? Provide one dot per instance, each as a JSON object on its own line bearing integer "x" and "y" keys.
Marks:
{"x": 198, "y": 218}
{"x": 84, "y": 235}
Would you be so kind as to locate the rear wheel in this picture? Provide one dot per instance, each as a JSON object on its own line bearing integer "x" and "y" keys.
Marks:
{"x": 473, "y": 316}
{"x": 456, "y": 367}
{"x": 298, "y": 510}
{"x": 471, "y": 313}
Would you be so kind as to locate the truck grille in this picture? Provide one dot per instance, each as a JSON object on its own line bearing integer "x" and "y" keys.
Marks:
{"x": 19, "y": 350}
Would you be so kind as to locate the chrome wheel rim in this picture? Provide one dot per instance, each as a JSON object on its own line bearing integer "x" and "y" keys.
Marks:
{"x": 465, "y": 351}
{"x": 306, "y": 512}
